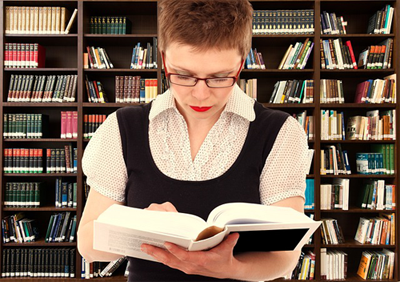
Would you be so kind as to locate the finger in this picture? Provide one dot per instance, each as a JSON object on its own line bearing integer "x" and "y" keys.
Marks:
{"x": 169, "y": 207}
{"x": 177, "y": 251}
{"x": 228, "y": 244}
{"x": 161, "y": 255}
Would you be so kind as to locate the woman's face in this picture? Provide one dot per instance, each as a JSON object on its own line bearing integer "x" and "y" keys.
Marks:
{"x": 201, "y": 102}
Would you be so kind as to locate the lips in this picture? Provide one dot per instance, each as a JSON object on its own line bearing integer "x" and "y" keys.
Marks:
{"x": 200, "y": 109}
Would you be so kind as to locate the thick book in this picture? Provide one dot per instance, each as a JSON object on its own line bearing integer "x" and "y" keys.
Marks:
{"x": 261, "y": 228}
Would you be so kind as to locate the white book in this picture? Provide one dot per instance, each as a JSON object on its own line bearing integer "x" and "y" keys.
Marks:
{"x": 116, "y": 232}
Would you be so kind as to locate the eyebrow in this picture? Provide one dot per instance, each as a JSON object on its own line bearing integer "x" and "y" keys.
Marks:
{"x": 221, "y": 73}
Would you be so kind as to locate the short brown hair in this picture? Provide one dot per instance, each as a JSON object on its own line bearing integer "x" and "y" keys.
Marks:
{"x": 206, "y": 24}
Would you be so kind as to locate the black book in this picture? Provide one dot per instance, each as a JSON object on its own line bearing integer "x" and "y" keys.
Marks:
{"x": 72, "y": 263}
{"x": 70, "y": 195}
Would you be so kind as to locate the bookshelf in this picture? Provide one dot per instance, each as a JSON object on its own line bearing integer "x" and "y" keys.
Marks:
{"x": 64, "y": 56}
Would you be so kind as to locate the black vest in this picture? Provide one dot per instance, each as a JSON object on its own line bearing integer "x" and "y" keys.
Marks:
{"x": 147, "y": 184}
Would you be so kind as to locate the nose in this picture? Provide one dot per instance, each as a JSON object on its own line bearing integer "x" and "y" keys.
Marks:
{"x": 201, "y": 91}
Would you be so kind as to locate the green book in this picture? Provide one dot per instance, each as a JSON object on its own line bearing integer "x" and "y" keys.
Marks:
{"x": 92, "y": 25}
{"x": 37, "y": 194}
{"x": 365, "y": 195}
{"x": 49, "y": 227}
{"x": 391, "y": 158}
{"x": 112, "y": 25}
{"x": 5, "y": 125}
{"x": 370, "y": 195}
{"x": 108, "y": 25}
{"x": 23, "y": 193}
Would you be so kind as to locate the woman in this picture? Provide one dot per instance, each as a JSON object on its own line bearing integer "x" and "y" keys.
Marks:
{"x": 200, "y": 144}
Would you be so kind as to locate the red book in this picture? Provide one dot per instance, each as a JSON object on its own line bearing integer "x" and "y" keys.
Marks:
{"x": 68, "y": 131}
{"x": 31, "y": 55}
{"x": 353, "y": 58}
{"x": 39, "y": 56}
{"x": 75, "y": 124}
{"x": 63, "y": 124}
{"x": 360, "y": 91}
{"x": 14, "y": 55}
{"x": 23, "y": 55}
{"x": 6, "y": 54}
{"x": 96, "y": 90}
{"x": 19, "y": 64}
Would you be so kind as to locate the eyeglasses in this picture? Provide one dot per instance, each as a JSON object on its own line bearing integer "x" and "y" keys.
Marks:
{"x": 190, "y": 81}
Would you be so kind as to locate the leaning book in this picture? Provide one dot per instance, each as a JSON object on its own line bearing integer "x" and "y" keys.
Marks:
{"x": 122, "y": 230}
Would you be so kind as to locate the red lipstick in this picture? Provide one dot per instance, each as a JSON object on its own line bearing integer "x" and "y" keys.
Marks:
{"x": 200, "y": 109}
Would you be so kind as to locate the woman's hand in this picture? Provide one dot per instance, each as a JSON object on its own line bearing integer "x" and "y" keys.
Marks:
{"x": 166, "y": 206}
{"x": 217, "y": 262}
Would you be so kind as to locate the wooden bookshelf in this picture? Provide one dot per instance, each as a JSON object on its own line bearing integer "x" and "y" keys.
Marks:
{"x": 64, "y": 55}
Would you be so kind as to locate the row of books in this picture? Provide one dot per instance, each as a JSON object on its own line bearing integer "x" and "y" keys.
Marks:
{"x": 38, "y": 20}
{"x": 144, "y": 58}
{"x": 38, "y": 262}
{"x": 17, "y": 160}
{"x": 297, "y": 57}
{"x": 24, "y": 55}
{"x": 22, "y": 194}
{"x": 373, "y": 126}
{"x": 331, "y": 232}
{"x": 99, "y": 269}
{"x": 69, "y": 124}
{"x": 377, "y": 90}
{"x": 331, "y": 91}
{"x": 18, "y": 229}
{"x": 334, "y": 160}
{"x": 26, "y": 126}
{"x": 42, "y": 88}
{"x": 377, "y": 56}
{"x": 65, "y": 194}
{"x": 331, "y": 24}
{"x": 110, "y": 25}
{"x": 376, "y": 265}
{"x": 377, "y": 230}
{"x": 61, "y": 228}
{"x": 254, "y": 60}
{"x": 91, "y": 123}
{"x": 249, "y": 87}
{"x": 377, "y": 195}
{"x": 381, "y": 21}
{"x": 63, "y": 160}
{"x": 376, "y": 163}
{"x": 336, "y": 195}
{"x": 135, "y": 89}
{"x": 307, "y": 122}
{"x": 333, "y": 264}
{"x": 283, "y": 21}
{"x": 336, "y": 55}
{"x": 309, "y": 203}
{"x": 95, "y": 91}
{"x": 97, "y": 58}
{"x": 293, "y": 91}
{"x": 305, "y": 267}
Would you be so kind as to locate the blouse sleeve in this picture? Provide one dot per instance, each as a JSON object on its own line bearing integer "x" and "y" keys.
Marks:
{"x": 103, "y": 161}
{"x": 285, "y": 170}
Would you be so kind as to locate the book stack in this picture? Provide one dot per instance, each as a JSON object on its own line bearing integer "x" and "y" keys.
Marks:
{"x": 309, "y": 194}
{"x": 377, "y": 56}
{"x": 332, "y": 125}
{"x": 376, "y": 231}
{"x": 292, "y": 91}
{"x": 333, "y": 264}
{"x": 249, "y": 87}
{"x": 62, "y": 160}
{"x": 307, "y": 122}
{"x": 18, "y": 229}
{"x": 376, "y": 265}
{"x": 38, "y": 20}
{"x": 283, "y": 21}
{"x": 110, "y": 25}
{"x": 91, "y": 123}
{"x": 331, "y": 233}
{"x": 376, "y": 163}
{"x": 98, "y": 269}
{"x": 61, "y": 228}
{"x": 24, "y": 55}
{"x": 42, "y": 88}
{"x": 373, "y": 126}
{"x": 69, "y": 124}
{"x": 381, "y": 21}
{"x": 336, "y": 55}
{"x": 22, "y": 160}
{"x": 134, "y": 89}
{"x": 66, "y": 194}
{"x": 34, "y": 263}
{"x": 331, "y": 24}
{"x": 376, "y": 91}
{"x": 25, "y": 126}
{"x": 95, "y": 91}
{"x": 336, "y": 195}
{"x": 377, "y": 195}
{"x": 305, "y": 268}
{"x": 334, "y": 160}
{"x": 296, "y": 57}
{"x": 254, "y": 60}
{"x": 331, "y": 91}
{"x": 22, "y": 194}
{"x": 97, "y": 58}
{"x": 144, "y": 58}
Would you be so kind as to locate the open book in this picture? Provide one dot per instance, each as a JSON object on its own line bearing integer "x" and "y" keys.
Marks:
{"x": 122, "y": 230}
